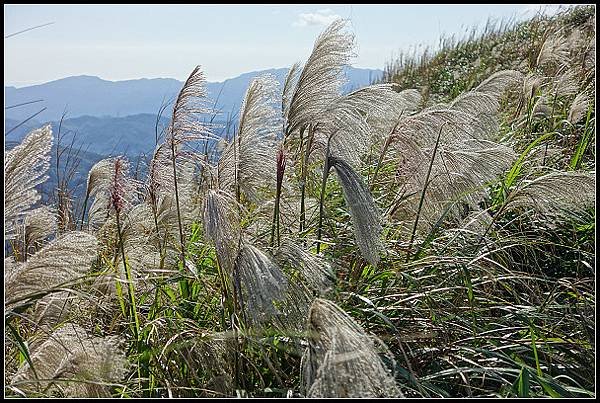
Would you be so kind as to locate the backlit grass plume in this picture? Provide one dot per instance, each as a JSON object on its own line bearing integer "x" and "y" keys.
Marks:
{"x": 113, "y": 189}
{"x": 579, "y": 107}
{"x": 248, "y": 162}
{"x": 57, "y": 264}
{"x": 25, "y": 167}
{"x": 446, "y": 153}
{"x": 311, "y": 269}
{"x": 73, "y": 364}
{"x": 38, "y": 226}
{"x": 289, "y": 85}
{"x": 262, "y": 281}
{"x": 365, "y": 215}
{"x": 563, "y": 193}
{"x": 221, "y": 227}
{"x": 320, "y": 81}
{"x": 354, "y": 121}
{"x": 342, "y": 360}
{"x": 186, "y": 126}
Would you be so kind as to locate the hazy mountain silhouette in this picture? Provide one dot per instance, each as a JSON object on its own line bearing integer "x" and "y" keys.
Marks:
{"x": 93, "y": 96}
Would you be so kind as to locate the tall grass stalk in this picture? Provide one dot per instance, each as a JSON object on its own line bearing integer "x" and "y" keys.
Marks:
{"x": 422, "y": 197}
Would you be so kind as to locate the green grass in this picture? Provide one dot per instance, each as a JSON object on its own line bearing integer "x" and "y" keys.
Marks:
{"x": 506, "y": 309}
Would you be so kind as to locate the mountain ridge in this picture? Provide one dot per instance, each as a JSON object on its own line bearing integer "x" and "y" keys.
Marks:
{"x": 86, "y": 95}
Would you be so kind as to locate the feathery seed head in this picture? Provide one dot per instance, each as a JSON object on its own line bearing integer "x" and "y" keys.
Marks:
{"x": 321, "y": 79}
{"x": 364, "y": 213}
{"x": 63, "y": 260}
{"x": 117, "y": 189}
{"x": 70, "y": 353}
{"x": 25, "y": 167}
{"x": 342, "y": 360}
{"x": 263, "y": 282}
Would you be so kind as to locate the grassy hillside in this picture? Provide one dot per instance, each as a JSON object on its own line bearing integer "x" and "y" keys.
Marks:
{"x": 515, "y": 329}
{"x": 433, "y": 236}
{"x": 463, "y": 62}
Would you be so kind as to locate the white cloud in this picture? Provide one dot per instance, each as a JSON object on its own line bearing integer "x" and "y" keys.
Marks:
{"x": 321, "y": 17}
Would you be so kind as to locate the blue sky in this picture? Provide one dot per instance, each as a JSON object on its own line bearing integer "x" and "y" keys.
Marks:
{"x": 118, "y": 42}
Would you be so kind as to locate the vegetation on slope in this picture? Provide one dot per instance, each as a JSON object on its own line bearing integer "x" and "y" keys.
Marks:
{"x": 429, "y": 237}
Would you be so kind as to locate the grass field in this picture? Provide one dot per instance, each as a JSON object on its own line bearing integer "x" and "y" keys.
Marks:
{"x": 432, "y": 235}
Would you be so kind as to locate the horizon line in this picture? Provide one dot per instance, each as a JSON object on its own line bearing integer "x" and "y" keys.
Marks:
{"x": 22, "y": 84}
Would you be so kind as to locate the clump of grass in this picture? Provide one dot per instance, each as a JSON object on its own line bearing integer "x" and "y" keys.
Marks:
{"x": 452, "y": 256}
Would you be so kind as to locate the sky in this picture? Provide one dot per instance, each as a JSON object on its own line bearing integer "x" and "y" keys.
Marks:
{"x": 121, "y": 42}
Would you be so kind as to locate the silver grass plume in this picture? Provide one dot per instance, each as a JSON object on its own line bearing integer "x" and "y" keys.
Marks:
{"x": 248, "y": 162}
{"x": 189, "y": 106}
{"x": 421, "y": 130}
{"x": 118, "y": 186}
{"x": 13, "y": 271}
{"x": 480, "y": 110}
{"x": 140, "y": 244}
{"x": 569, "y": 194}
{"x": 542, "y": 107}
{"x": 498, "y": 83}
{"x": 262, "y": 281}
{"x": 579, "y": 107}
{"x": 475, "y": 224}
{"x": 405, "y": 103}
{"x": 554, "y": 49}
{"x": 99, "y": 211}
{"x": 342, "y": 360}
{"x": 362, "y": 116}
{"x": 532, "y": 84}
{"x": 62, "y": 261}
{"x": 25, "y": 167}
{"x": 458, "y": 173}
{"x": 111, "y": 186}
{"x": 543, "y": 155}
{"x": 51, "y": 311}
{"x": 100, "y": 176}
{"x": 214, "y": 358}
{"x": 98, "y": 183}
{"x": 166, "y": 217}
{"x": 150, "y": 255}
{"x": 315, "y": 272}
{"x": 483, "y": 102}
{"x": 364, "y": 213}
{"x": 159, "y": 213}
{"x": 159, "y": 183}
{"x": 74, "y": 364}
{"x": 38, "y": 225}
{"x": 141, "y": 241}
{"x": 159, "y": 180}
{"x": 589, "y": 60}
{"x": 565, "y": 84}
{"x": 289, "y": 85}
{"x": 465, "y": 161}
{"x": 188, "y": 184}
{"x": 221, "y": 226}
{"x": 211, "y": 353}
{"x": 321, "y": 78}
{"x": 185, "y": 127}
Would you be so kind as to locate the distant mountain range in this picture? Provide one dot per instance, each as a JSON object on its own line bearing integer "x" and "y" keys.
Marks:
{"x": 119, "y": 117}
{"x": 93, "y": 96}
{"x": 129, "y": 135}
